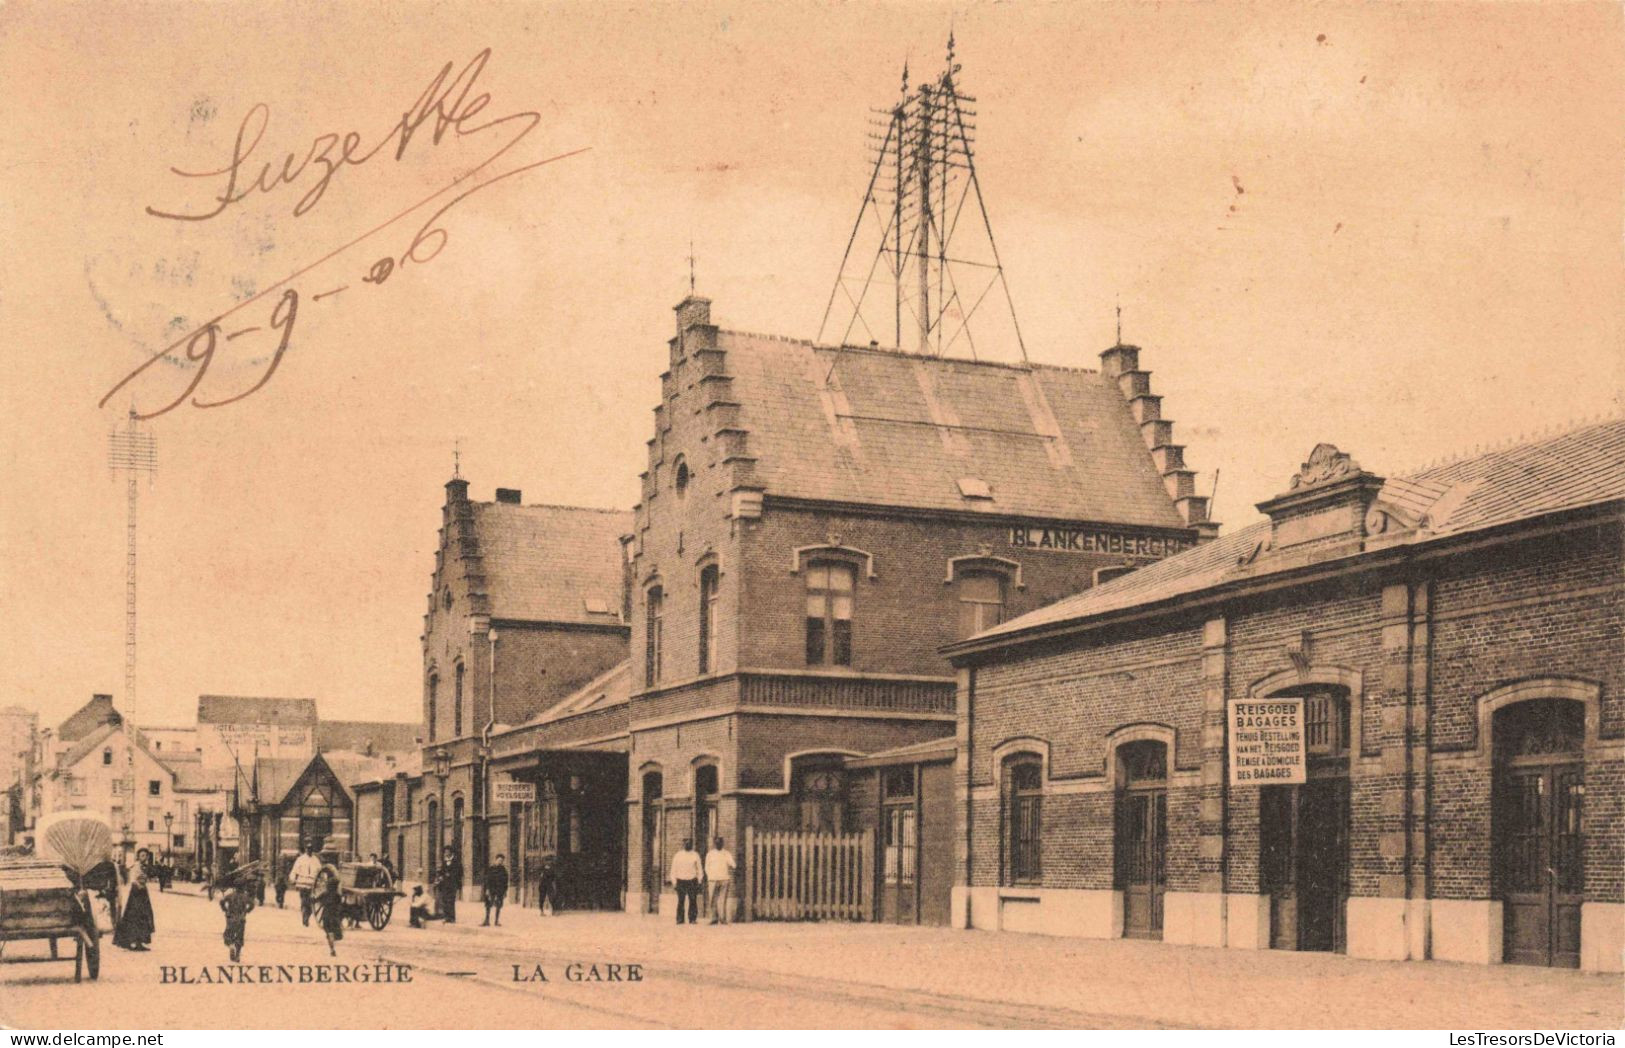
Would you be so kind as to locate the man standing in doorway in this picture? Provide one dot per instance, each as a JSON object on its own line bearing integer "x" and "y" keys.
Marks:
{"x": 719, "y": 879}
{"x": 303, "y": 879}
{"x": 447, "y": 885}
{"x": 496, "y": 891}
{"x": 685, "y": 876}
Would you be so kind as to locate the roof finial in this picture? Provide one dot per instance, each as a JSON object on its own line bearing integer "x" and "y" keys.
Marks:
{"x": 691, "y": 265}
{"x": 905, "y": 78}
{"x": 457, "y": 458}
{"x": 1119, "y": 319}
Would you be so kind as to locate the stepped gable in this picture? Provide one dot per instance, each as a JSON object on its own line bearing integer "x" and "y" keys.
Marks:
{"x": 877, "y": 427}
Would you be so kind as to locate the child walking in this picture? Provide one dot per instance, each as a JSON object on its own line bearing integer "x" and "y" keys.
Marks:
{"x": 236, "y": 904}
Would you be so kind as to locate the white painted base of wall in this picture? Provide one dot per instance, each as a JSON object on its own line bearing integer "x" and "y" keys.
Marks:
{"x": 1602, "y": 936}
{"x": 1377, "y": 928}
{"x": 1247, "y": 921}
{"x": 1082, "y": 913}
{"x": 1193, "y": 918}
{"x": 1466, "y": 930}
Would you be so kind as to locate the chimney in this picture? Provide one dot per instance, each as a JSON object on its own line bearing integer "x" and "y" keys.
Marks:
{"x": 693, "y": 311}
{"x": 509, "y": 496}
{"x": 456, "y": 490}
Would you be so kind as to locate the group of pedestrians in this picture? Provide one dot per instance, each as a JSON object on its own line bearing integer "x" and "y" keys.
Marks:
{"x": 712, "y": 875}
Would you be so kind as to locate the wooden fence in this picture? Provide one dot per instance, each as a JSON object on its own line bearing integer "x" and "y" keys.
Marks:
{"x": 809, "y": 876}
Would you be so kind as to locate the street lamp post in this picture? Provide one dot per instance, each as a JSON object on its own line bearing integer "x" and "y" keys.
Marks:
{"x": 169, "y": 820}
{"x": 442, "y": 769}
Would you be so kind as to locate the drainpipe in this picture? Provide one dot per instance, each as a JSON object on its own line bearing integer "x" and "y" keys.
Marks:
{"x": 485, "y": 749}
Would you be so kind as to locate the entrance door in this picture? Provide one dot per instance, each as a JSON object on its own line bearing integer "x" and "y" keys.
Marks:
{"x": 654, "y": 841}
{"x": 1542, "y": 880}
{"x": 1142, "y": 826}
{"x": 900, "y": 845}
{"x": 1323, "y": 863}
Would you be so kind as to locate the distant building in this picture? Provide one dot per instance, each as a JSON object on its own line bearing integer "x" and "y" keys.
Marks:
{"x": 233, "y": 729}
{"x": 93, "y": 773}
{"x": 1386, "y": 720}
{"x": 19, "y": 740}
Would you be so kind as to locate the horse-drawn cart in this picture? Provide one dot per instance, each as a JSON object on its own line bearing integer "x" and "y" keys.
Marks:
{"x": 39, "y": 901}
{"x": 367, "y": 894}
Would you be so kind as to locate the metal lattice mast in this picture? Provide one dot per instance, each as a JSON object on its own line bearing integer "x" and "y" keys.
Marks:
{"x": 924, "y": 148}
{"x": 133, "y": 452}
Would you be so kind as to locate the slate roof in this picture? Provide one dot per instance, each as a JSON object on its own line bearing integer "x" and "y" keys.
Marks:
{"x": 900, "y": 429}
{"x": 944, "y": 748}
{"x": 275, "y": 777}
{"x": 382, "y": 736}
{"x": 191, "y": 775}
{"x": 246, "y": 709}
{"x": 1582, "y": 467}
{"x": 613, "y": 687}
{"x": 552, "y": 563}
{"x": 350, "y": 768}
{"x": 87, "y": 718}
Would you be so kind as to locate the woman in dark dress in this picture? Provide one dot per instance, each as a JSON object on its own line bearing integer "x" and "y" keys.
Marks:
{"x": 135, "y": 925}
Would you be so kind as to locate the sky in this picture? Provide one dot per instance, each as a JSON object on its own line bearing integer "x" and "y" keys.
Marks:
{"x": 1393, "y": 227}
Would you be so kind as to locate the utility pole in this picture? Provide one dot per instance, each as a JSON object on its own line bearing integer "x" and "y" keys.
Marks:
{"x": 134, "y": 452}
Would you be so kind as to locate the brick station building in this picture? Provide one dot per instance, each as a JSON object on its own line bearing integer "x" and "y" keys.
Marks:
{"x": 1454, "y": 639}
{"x": 815, "y": 524}
{"x": 525, "y": 608}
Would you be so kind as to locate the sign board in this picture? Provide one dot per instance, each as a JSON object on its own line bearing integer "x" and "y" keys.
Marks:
{"x": 1266, "y": 742}
{"x": 1091, "y": 540}
{"x": 513, "y": 792}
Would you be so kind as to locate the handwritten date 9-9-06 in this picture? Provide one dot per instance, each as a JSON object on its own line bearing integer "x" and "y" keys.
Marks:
{"x": 199, "y": 347}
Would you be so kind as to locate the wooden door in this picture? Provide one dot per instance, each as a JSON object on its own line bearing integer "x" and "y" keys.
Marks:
{"x": 1322, "y": 863}
{"x": 1142, "y": 860}
{"x": 654, "y": 852}
{"x": 1540, "y": 866}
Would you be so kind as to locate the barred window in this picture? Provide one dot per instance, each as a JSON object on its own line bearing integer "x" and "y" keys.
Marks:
{"x": 708, "y": 619}
{"x": 1024, "y": 788}
{"x": 654, "y": 602}
{"x": 1326, "y": 724}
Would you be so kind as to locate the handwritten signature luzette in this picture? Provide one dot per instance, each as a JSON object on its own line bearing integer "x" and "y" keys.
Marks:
{"x": 444, "y": 107}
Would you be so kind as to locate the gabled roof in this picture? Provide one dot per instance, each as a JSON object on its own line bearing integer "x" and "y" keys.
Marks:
{"x": 99, "y": 737}
{"x": 552, "y": 563}
{"x": 193, "y": 777}
{"x": 380, "y": 736}
{"x": 1580, "y": 468}
{"x": 87, "y": 718}
{"x": 350, "y": 768}
{"x": 274, "y": 777}
{"x": 904, "y": 430}
{"x": 245, "y": 709}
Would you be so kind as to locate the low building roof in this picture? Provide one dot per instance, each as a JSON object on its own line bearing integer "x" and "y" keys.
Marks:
{"x": 559, "y": 564}
{"x": 880, "y": 427}
{"x": 931, "y": 750}
{"x": 378, "y": 737}
{"x": 1582, "y": 467}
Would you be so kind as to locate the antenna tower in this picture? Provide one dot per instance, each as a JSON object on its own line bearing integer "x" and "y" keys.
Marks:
{"x": 909, "y": 233}
{"x": 134, "y": 452}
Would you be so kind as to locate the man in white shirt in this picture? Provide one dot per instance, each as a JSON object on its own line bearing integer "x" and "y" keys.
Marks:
{"x": 685, "y": 875}
{"x": 303, "y": 878}
{"x": 719, "y": 880}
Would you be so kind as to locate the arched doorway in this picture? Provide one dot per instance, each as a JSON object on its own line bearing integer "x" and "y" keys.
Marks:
{"x": 705, "y": 806}
{"x": 1538, "y": 847}
{"x": 1304, "y": 830}
{"x": 1141, "y": 860}
{"x": 654, "y": 839}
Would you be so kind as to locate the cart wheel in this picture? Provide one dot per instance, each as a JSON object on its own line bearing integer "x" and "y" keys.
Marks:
{"x": 379, "y": 913}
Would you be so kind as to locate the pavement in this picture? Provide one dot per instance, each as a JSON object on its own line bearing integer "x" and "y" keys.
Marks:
{"x": 633, "y": 971}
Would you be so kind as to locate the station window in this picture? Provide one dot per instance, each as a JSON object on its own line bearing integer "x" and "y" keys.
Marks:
{"x": 1023, "y": 821}
{"x": 708, "y": 619}
{"x": 654, "y": 602}
{"x": 830, "y": 588}
{"x": 981, "y": 601}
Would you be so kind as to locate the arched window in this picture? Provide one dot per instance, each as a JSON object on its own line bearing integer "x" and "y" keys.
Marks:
{"x": 654, "y": 602}
{"x": 681, "y": 480}
{"x": 455, "y": 842}
{"x": 708, "y": 619}
{"x": 1023, "y": 818}
{"x": 830, "y": 586}
{"x": 457, "y": 706}
{"x": 981, "y": 601}
{"x": 705, "y": 806}
{"x": 431, "y": 812}
{"x": 434, "y": 697}
{"x": 820, "y": 786}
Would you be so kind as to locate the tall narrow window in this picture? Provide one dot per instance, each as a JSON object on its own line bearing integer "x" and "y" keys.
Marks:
{"x": 653, "y": 606}
{"x": 434, "y": 697}
{"x": 708, "y": 619}
{"x": 457, "y": 706}
{"x": 1024, "y": 788}
{"x": 829, "y": 614}
{"x": 981, "y": 601}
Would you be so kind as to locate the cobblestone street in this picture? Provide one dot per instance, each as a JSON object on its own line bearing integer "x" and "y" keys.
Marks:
{"x": 782, "y": 975}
